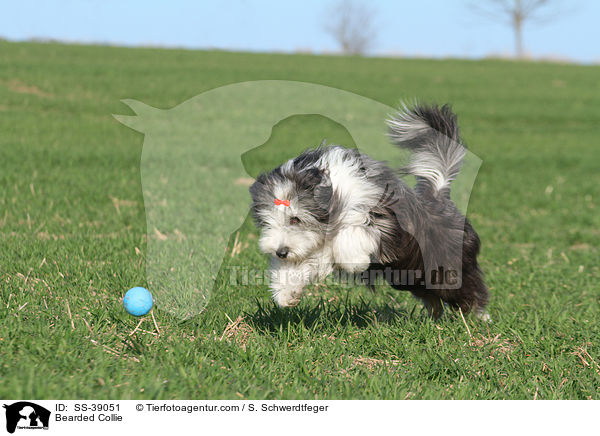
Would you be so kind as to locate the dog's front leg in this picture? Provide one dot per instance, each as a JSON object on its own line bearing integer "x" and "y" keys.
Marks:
{"x": 352, "y": 248}
{"x": 289, "y": 280}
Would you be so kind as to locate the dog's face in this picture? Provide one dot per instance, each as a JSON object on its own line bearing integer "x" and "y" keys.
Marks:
{"x": 291, "y": 207}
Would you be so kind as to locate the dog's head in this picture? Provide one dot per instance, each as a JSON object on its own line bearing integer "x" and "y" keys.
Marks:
{"x": 291, "y": 206}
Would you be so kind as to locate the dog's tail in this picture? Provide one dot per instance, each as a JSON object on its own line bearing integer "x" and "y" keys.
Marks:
{"x": 431, "y": 133}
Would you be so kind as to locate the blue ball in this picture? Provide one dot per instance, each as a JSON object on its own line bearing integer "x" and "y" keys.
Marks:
{"x": 138, "y": 301}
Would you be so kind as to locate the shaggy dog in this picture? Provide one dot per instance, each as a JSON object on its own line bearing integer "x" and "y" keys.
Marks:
{"x": 335, "y": 209}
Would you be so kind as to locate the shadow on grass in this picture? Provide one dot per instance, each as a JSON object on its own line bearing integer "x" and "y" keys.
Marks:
{"x": 325, "y": 314}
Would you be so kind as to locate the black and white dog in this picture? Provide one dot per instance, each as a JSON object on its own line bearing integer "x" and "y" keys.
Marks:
{"x": 333, "y": 208}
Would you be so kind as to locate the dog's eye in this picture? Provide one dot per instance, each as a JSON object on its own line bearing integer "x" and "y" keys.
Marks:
{"x": 294, "y": 221}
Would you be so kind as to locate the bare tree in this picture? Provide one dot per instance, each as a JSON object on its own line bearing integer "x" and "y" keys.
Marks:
{"x": 351, "y": 24}
{"x": 516, "y": 13}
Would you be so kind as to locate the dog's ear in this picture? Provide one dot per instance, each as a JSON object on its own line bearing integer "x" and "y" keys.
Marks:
{"x": 255, "y": 188}
{"x": 316, "y": 182}
{"x": 261, "y": 196}
{"x": 310, "y": 178}
{"x": 323, "y": 190}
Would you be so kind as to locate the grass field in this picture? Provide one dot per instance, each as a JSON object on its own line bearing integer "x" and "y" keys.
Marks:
{"x": 73, "y": 239}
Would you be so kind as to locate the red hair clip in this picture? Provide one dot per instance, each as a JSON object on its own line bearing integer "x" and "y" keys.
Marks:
{"x": 280, "y": 202}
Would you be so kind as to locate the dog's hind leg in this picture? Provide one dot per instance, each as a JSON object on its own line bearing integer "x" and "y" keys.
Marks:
{"x": 433, "y": 303}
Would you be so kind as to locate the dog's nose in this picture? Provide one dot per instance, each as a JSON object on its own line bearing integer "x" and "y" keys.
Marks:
{"x": 282, "y": 252}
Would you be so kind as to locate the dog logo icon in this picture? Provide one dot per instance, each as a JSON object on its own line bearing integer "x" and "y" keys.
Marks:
{"x": 26, "y": 415}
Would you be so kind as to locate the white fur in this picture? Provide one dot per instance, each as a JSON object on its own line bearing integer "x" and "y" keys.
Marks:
{"x": 430, "y": 166}
{"x": 359, "y": 195}
{"x": 353, "y": 247}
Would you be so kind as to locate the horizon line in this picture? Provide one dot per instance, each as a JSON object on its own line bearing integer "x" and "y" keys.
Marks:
{"x": 548, "y": 58}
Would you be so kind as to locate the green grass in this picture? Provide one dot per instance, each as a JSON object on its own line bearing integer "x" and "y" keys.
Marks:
{"x": 73, "y": 238}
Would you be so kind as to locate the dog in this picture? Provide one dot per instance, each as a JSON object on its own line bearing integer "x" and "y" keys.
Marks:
{"x": 336, "y": 209}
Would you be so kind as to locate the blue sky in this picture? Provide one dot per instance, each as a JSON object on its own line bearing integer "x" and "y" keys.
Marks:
{"x": 430, "y": 28}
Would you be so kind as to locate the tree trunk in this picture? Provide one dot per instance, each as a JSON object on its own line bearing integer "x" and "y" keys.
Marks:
{"x": 518, "y": 25}
{"x": 518, "y": 16}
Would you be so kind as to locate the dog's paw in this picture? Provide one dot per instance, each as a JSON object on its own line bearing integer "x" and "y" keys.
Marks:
{"x": 354, "y": 264}
{"x": 483, "y": 316}
{"x": 286, "y": 298}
